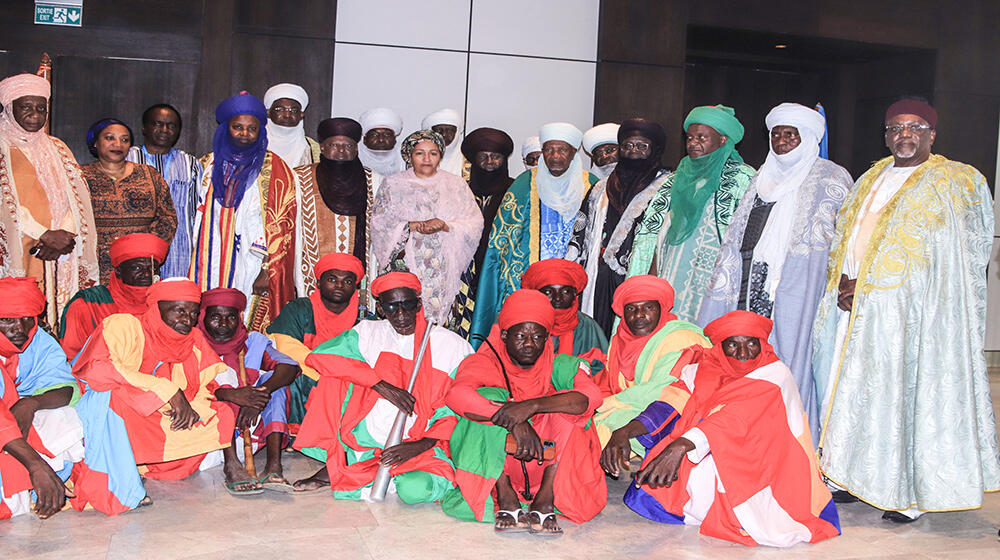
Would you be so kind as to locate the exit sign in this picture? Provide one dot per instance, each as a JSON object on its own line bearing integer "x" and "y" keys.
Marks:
{"x": 59, "y": 12}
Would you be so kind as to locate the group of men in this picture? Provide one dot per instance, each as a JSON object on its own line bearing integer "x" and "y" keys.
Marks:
{"x": 766, "y": 342}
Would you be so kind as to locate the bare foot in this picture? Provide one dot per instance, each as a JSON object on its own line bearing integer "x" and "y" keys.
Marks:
{"x": 315, "y": 482}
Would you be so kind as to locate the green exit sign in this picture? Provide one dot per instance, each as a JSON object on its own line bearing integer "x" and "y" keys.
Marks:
{"x": 56, "y": 13}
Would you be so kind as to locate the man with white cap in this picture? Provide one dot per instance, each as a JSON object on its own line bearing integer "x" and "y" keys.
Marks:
{"x": 531, "y": 150}
{"x": 535, "y": 220}
{"x": 377, "y": 151}
{"x": 286, "y": 109}
{"x": 601, "y": 144}
{"x": 449, "y": 124}
{"x": 774, "y": 255}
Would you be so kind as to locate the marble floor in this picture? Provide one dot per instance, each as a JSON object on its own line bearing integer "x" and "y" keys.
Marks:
{"x": 197, "y": 518}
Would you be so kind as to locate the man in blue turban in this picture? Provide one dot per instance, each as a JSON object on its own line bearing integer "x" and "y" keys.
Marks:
{"x": 245, "y": 227}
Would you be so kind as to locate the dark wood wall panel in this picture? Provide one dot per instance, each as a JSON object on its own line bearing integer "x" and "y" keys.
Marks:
{"x": 309, "y": 18}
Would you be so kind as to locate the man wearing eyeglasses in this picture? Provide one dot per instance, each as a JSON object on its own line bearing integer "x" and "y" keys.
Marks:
{"x": 363, "y": 375}
{"x": 286, "y": 109}
{"x": 907, "y": 421}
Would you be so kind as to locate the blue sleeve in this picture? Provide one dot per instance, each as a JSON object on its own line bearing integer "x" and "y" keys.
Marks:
{"x": 42, "y": 366}
{"x": 653, "y": 418}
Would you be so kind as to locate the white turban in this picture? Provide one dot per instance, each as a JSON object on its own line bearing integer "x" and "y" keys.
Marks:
{"x": 286, "y": 91}
{"x": 444, "y": 116}
{"x": 561, "y": 131}
{"x": 381, "y": 117}
{"x": 779, "y": 179}
{"x": 531, "y": 144}
{"x": 565, "y": 192}
{"x": 452, "y": 160}
{"x": 601, "y": 134}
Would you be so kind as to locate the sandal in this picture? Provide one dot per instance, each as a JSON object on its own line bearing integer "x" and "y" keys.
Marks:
{"x": 276, "y": 483}
{"x": 539, "y": 528}
{"x": 520, "y": 522}
{"x": 231, "y": 488}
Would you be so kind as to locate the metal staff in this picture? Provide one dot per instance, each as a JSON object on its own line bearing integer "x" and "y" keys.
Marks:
{"x": 382, "y": 477}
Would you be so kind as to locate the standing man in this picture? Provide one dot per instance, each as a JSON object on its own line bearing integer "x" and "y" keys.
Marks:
{"x": 535, "y": 220}
{"x": 531, "y": 150}
{"x": 450, "y": 125}
{"x": 601, "y": 145}
{"x": 773, "y": 258}
{"x": 381, "y": 127}
{"x": 336, "y": 195}
{"x": 908, "y": 422}
{"x": 684, "y": 224}
{"x": 611, "y": 214}
{"x": 161, "y": 127}
{"x": 286, "y": 109}
{"x": 46, "y": 216}
{"x": 246, "y": 214}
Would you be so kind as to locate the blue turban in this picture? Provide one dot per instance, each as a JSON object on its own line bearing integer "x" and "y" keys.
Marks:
{"x": 233, "y": 165}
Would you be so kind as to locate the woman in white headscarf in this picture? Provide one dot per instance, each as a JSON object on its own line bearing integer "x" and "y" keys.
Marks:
{"x": 774, "y": 255}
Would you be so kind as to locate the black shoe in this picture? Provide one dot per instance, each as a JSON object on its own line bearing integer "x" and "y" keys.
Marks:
{"x": 897, "y": 517}
{"x": 844, "y": 497}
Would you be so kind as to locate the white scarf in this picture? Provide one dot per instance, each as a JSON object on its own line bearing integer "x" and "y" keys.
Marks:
{"x": 603, "y": 171}
{"x": 563, "y": 193}
{"x": 289, "y": 142}
{"x": 384, "y": 162}
{"x": 779, "y": 180}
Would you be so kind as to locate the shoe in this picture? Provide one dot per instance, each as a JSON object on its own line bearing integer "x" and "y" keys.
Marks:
{"x": 897, "y": 517}
{"x": 844, "y": 497}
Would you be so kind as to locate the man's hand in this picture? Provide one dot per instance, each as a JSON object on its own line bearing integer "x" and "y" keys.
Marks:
{"x": 24, "y": 412}
{"x": 253, "y": 397}
{"x": 183, "y": 417}
{"x": 513, "y": 413}
{"x": 52, "y": 493}
{"x": 616, "y": 453}
{"x": 260, "y": 284}
{"x": 55, "y": 243}
{"x": 662, "y": 469}
{"x": 403, "y": 452}
{"x": 845, "y": 297}
{"x": 245, "y": 417}
{"x": 529, "y": 445}
{"x": 401, "y": 398}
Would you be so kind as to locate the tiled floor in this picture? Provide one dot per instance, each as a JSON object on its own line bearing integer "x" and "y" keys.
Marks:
{"x": 196, "y": 518}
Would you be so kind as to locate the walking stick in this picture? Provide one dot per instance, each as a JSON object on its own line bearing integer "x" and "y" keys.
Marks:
{"x": 247, "y": 442}
{"x": 382, "y": 477}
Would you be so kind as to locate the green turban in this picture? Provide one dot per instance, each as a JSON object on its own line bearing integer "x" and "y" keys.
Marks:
{"x": 719, "y": 117}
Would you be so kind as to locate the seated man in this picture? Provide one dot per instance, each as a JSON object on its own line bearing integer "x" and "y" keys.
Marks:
{"x": 644, "y": 350}
{"x": 574, "y": 332}
{"x": 40, "y": 433}
{"x": 136, "y": 258}
{"x": 158, "y": 373}
{"x": 255, "y": 386}
{"x": 735, "y": 455}
{"x": 363, "y": 376}
{"x": 530, "y": 397}
{"x": 307, "y": 322}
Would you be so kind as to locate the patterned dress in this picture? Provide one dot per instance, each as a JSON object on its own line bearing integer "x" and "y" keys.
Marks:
{"x": 138, "y": 203}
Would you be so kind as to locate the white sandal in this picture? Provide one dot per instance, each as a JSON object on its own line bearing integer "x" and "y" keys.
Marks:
{"x": 515, "y": 514}
{"x": 539, "y": 529}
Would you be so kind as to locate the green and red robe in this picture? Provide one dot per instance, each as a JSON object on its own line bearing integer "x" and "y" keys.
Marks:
{"x": 477, "y": 449}
{"x": 88, "y": 308}
{"x": 347, "y": 423}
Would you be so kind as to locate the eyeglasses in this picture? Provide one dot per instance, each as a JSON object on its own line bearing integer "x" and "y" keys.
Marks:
{"x": 915, "y": 128}
{"x": 641, "y": 146}
{"x": 392, "y": 307}
{"x": 286, "y": 110}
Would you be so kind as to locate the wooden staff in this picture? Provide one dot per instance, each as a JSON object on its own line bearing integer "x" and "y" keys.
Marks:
{"x": 50, "y": 280}
{"x": 247, "y": 442}
{"x": 45, "y": 71}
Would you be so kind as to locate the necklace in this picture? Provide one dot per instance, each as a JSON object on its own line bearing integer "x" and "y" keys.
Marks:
{"x": 114, "y": 175}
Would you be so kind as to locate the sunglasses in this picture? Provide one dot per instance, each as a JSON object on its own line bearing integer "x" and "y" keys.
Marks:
{"x": 392, "y": 307}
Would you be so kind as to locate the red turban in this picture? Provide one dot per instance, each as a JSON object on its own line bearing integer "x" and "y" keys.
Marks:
{"x": 625, "y": 346}
{"x": 554, "y": 272}
{"x": 339, "y": 261}
{"x": 224, "y": 297}
{"x": 392, "y": 280}
{"x": 137, "y": 245}
{"x": 912, "y": 107}
{"x": 180, "y": 289}
{"x": 739, "y": 323}
{"x": 527, "y": 306}
{"x": 21, "y": 298}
